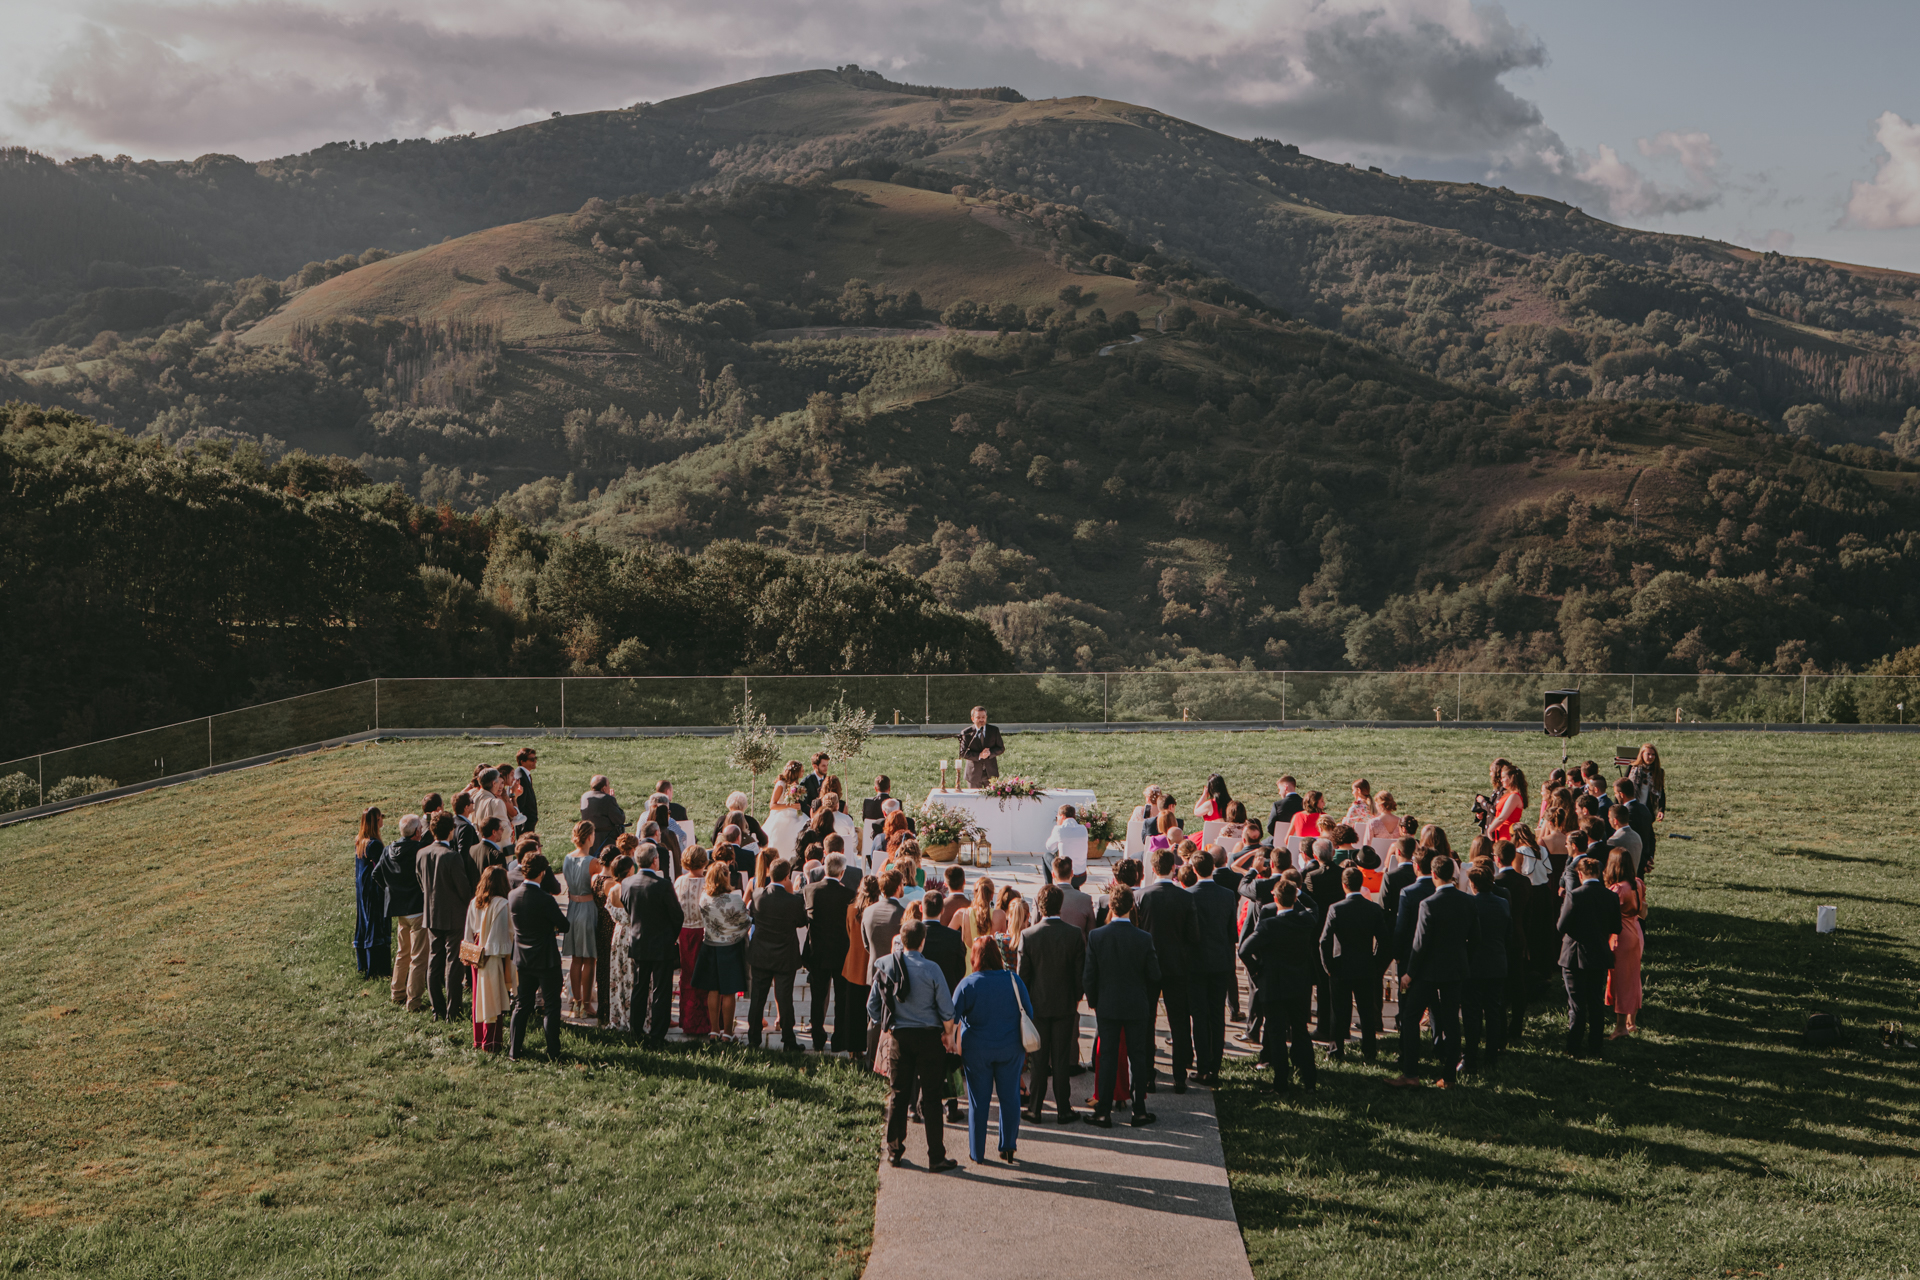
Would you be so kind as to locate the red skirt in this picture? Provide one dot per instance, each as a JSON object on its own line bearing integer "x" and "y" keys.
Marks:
{"x": 693, "y": 1002}
{"x": 1122, "y": 1080}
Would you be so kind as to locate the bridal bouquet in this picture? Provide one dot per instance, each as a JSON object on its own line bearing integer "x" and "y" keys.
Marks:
{"x": 1013, "y": 787}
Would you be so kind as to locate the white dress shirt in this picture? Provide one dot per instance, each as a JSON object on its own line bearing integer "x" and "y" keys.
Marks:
{"x": 1070, "y": 838}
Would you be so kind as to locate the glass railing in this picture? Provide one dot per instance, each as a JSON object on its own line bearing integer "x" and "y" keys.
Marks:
{"x": 567, "y": 704}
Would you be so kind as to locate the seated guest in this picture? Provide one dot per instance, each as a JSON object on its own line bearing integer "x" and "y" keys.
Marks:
{"x": 736, "y": 815}
{"x": 956, "y": 900}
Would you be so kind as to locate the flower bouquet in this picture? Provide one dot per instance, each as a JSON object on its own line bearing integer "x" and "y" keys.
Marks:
{"x": 943, "y": 829}
{"x": 1102, "y": 825}
{"x": 1013, "y": 786}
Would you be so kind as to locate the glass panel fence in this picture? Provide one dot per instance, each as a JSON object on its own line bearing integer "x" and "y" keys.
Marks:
{"x": 806, "y": 699}
{"x": 136, "y": 757}
{"x": 1015, "y": 699}
{"x": 293, "y": 722}
{"x": 685, "y": 701}
{"x": 477, "y": 704}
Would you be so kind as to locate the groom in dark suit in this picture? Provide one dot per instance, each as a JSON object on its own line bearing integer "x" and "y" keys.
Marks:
{"x": 981, "y": 747}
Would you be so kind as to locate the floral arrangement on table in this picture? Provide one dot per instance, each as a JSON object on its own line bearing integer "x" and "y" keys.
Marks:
{"x": 943, "y": 824}
{"x": 1102, "y": 825}
{"x": 1013, "y": 786}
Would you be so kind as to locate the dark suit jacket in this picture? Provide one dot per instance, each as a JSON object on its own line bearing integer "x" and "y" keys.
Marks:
{"x": 778, "y": 917}
{"x": 1323, "y": 882}
{"x": 1076, "y": 908}
{"x": 946, "y": 948}
{"x": 536, "y": 919}
{"x": 1519, "y": 891}
{"x": 870, "y": 807}
{"x": 1355, "y": 942}
{"x": 827, "y": 942}
{"x": 528, "y": 801}
{"x": 465, "y": 836}
{"x": 1488, "y": 958}
{"x": 1216, "y": 909}
{"x": 1392, "y": 886}
{"x": 1407, "y": 918}
{"x": 655, "y": 914}
{"x": 812, "y": 782}
{"x": 606, "y": 815}
{"x": 1589, "y": 917}
{"x": 1282, "y": 954}
{"x": 447, "y": 881}
{"x": 1280, "y": 815}
{"x": 1166, "y": 911}
{"x": 972, "y": 742}
{"x": 879, "y": 926}
{"x": 1053, "y": 964}
{"x": 1123, "y": 975}
{"x": 1444, "y": 936}
{"x": 398, "y": 872}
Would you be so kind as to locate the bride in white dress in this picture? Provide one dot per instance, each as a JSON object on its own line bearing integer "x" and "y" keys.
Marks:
{"x": 784, "y": 819}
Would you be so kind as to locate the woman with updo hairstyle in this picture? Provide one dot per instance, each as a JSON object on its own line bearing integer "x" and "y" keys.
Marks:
{"x": 784, "y": 817}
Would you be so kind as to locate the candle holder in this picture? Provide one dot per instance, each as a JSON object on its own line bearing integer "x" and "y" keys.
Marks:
{"x": 943, "y": 775}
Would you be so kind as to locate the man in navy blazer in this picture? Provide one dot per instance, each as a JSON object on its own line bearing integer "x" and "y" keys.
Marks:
{"x": 1283, "y": 955}
{"x": 656, "y": 913}
{"x": 1214, "y": 907}
{"x": 536, "y": 919}
{"x": 1589, "y": 919}
{"x": 1165, "y": 910}
{"x": 1483, "y": 1004}
{"x": 1122, "y": 982}
{"x": 1436, "y": 969}
{"x": 1355, "y": 945}
{"x": 1407, "y": 907}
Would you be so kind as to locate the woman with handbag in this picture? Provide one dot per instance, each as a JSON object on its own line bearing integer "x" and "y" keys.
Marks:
{"x": 487, "y": 949}
{"x": 996, "y": 1034}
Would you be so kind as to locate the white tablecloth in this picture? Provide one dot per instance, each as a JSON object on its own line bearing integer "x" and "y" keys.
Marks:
{"x": 1022, "y": 826}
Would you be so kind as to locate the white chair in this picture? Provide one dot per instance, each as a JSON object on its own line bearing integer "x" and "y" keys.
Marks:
{"x": 1210, "y": 832}
{"x": 1297, "y": 848}
{"x": 1136, "y": 837}
{"x": 1383, "y": 846}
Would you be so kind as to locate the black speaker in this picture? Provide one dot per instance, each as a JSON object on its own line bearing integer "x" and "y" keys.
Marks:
{"x": 1561, "y": 715}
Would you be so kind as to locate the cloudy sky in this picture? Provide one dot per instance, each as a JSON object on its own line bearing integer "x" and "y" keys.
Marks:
{"x": 1786, "y": 125}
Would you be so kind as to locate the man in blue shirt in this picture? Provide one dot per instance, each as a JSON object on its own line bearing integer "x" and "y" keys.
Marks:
{"x": 911, "y": 1002}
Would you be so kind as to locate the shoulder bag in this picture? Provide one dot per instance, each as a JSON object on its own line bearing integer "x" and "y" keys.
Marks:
{"x": 1029, "y": 1034}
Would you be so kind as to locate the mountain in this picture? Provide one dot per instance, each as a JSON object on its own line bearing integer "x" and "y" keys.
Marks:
{"x": 1127, "y": 390}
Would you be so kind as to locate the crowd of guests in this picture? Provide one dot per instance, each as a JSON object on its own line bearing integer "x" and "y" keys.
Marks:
{"x": 976, "y": 993}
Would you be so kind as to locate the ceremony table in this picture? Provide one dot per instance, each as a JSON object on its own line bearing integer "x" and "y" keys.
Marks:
{"x": 1015, "y": 826}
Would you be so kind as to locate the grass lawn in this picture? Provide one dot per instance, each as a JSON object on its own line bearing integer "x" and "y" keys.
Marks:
{"x": 199, "y": 1085}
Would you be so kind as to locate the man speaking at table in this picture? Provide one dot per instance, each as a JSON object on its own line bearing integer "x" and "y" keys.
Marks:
{"x": 981, "y": 746}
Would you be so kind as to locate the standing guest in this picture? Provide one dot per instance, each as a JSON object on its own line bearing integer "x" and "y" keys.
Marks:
{"x": 981, "y": 747}
{"x": 1510, "y": 808}
{"x": 826, "y": 901}
{"x": 582, "y": 945}
{"x": 1121, "y": 979}
{"x": 722, "y": 971}
{"x": 1355, "y": 946}
{"x": 1650, "y": 790}
{"x": 1623, "y": 980}
{"x": 988, "y": 1004}
{"x": 1076, "y": 905}
{"x": 1282, "y": 953}
{"x": 1589, "y": 922}
{"x": 508, "y": 791}
{"x": 491, "y": 929}
{"x": 490, "y": 852}
{"x": 525, "y": 761}
{"x": 1013, "y": 918}
{"x": 1623, "y": 836}
{"x": 691, "y": 890}
{"x": 660, "y": 815}
{"x": 1053, "y": 958}
{"x": 1213, "y": 801}
{"x": 1069, "y": 839}
{"x": 1215, "y": 908}
{"x": 978, "y": 919}
{"x": 1399, "y": 875}
{"x": 537, "y": 918}
{"x": 1483, "y": 1001}
{"x": 773, "y": 953}
{"x": 372, "y": 939}
{"x": 879, "y": 925}
{"x": 602, "y": 812}
{"x": 1406, "y": 918}
{"x": 447, "y": 881}
{"x": 655, "y": 919}
{"x": 1639, "y": 819}
{"x": 956, "y": 896}
{"x": 608, "y": 887}
{"x": 911, "y": 1003}
{"x": 465, "y": 836}
{"x": 399, "y": 878}
{"x": 1513, "y": 882}
{"x": 850, "y": 1034}
{"x": 1438, "y": 962}
{"x": 816, "y": 778}
{"x": 488, "y": 806}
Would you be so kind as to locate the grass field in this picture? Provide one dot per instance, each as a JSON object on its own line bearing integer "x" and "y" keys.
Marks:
{"x": 199, "y": 1085}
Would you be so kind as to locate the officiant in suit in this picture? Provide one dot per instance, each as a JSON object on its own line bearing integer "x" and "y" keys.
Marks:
{"x": 981, "y": 747}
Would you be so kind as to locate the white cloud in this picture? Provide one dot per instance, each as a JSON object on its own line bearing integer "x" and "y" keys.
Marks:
{"x": 1892, "y": 199}
{"x": 1695, "y": 151}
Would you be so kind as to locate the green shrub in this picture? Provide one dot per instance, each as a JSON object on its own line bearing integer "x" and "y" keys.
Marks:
{"x": 72, "y": 788}
{"x": 18, "y": 791}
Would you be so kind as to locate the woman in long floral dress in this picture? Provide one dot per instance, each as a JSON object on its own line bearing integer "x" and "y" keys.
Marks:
{"x": 620, "y": 981}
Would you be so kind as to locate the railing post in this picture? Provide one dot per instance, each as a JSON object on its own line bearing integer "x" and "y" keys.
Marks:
{"x": 376, "y": 705}
{"x": 41, "y": 766}
{"x": 1283, "y": 695}
{"x": 1106, "y": 714}
{"x": 1633, "y": 697}
{"x": 1803, "y": 697}
{"x": 1459, "y": 680}
{"x": 926, "y": 699}
{"x": 209, "y": 742}
{"x": 563, "y": 706}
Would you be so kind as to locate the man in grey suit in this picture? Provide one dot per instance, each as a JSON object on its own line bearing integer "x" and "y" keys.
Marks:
{"x": 773, "y": 953}
{"x": 447, "y": 880}
{"x": 1076, "y": 907}
{"x": 598, "y": 806}
{"x": 1215, "y": 933}
{"x": 879, "y": 926}
{"x": 1053, "y": 958}
{"x": 1122, "y": 982}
